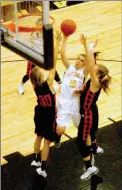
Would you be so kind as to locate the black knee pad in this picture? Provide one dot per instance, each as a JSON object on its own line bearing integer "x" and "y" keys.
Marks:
{"x": 25, "y": 78}
{"x": 93, "y": 135}
{"x": 84, "y": 150}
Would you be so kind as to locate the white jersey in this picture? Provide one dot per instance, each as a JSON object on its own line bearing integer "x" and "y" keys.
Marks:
{"x": 73, "y": 79}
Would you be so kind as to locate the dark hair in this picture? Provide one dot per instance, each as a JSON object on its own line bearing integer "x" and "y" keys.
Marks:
{"x": 96, "y": 56}
{"x": 35, "y": 76}
{"x": 104, "y": 78}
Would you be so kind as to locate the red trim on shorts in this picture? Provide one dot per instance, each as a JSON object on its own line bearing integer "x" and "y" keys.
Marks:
{"x": 88, "y": 114}
{"x": 88, "y": 100}
{"x": 29, "y": 67}
{"x": 87, "y": 123}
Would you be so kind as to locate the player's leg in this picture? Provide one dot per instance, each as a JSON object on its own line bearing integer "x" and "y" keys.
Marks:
{"x": 37, "y": 157}
{"x": 94, "y": 131}
{"x": 21, "y": 86}
{"x": 60, "y": 130}
{"x": 85, "y": 152}
{"x": 30, "y": 66}
{"x": 49, "y": 136}
{"x": 38, "y": 131}
{"x": 76, "y": 117}
{"x": 45, "y": 152}
{"x": 62, "y": 120}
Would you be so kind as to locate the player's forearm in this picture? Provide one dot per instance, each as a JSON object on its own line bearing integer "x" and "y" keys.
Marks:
{"x": 63, "y": 52}
{"x": 63, "y": 45}
{"x": 56, "y": 52}
{"x": 89, "y": 57}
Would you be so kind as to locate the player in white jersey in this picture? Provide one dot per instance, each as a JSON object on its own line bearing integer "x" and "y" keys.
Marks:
{"x": 68, "y": 105}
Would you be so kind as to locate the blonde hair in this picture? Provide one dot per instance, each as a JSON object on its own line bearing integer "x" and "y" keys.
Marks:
{"x": 104, "y": 78}
{"x": 35, "y": 76}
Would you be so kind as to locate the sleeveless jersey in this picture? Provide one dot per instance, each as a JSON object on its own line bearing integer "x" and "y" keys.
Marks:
{"x": 73, "y": 79}
{"x": 45, "y": 98}
{"x": 88, "y": 99}
{"x": 88, "y": 110}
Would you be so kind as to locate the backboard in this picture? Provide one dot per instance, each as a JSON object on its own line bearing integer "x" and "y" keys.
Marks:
{"x": 23, "y": 22}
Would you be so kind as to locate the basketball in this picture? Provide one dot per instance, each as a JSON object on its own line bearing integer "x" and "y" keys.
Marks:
{"x": 68, "y": 27}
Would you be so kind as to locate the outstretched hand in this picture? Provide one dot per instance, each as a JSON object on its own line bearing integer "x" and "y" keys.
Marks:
{"x": 93, "y": 44}
{"x": 58, "y": 36}
{"x": 96, "y": 42}
{"x": 83, "y": 39}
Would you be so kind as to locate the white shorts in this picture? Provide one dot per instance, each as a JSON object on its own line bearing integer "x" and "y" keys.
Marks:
{"x": 68, "y": 109}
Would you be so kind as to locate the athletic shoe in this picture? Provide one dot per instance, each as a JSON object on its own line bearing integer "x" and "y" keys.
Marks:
{"x": 57, "y": 144}
{"x": 99, "y": 150}
{"x": 89, "y": 172}
{"x": 41, "y": 172}
{"x": 21, "y": 89}
{"x": 92, "y": 162}
{"x": 36, "y": 163}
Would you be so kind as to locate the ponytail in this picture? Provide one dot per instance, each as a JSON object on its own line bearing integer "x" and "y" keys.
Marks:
{"x": 96, "y": 55}
{"x": 104, "y": 77}
{"x": 105, "y": 82}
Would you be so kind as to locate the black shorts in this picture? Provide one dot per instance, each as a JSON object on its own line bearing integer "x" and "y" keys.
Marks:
{"x": 45, "y": 123}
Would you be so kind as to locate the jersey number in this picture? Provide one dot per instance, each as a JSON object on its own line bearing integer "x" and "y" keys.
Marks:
{"x": 72, "y": 84}
{"x": 45, "y": 101}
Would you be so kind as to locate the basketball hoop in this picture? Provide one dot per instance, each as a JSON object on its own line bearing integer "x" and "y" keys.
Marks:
{"x": 29, "y": 26}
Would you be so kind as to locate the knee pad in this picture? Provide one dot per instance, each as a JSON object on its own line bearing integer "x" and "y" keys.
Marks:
{"x": 84, "y": 151}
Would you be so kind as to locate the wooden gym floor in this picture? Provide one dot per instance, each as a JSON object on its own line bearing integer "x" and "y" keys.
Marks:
{"x": 99, "y": 19}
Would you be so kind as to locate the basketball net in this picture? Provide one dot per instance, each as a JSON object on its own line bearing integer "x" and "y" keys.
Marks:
{"x": 28, "y": 33}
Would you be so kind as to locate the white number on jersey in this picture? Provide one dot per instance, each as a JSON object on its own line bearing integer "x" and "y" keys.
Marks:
{"x": 72, "y": 84}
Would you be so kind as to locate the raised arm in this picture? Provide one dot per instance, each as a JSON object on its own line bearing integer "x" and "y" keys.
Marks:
{"x": 58, "y": 38}
{"x": 51, "y": 75}
{"x": 86, "y": 68}
{"x": 90, "y": 61}
{"x": 63, "y": 52}
{"x": 93, "y": 45}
